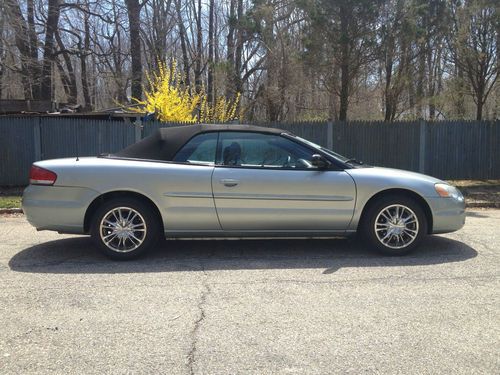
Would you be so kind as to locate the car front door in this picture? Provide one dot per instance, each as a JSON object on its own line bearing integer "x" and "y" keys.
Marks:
{"x": 268, "y": 183}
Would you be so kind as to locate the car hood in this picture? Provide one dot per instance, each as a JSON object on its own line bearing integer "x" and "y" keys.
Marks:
{"x": 379, "y": 178}
{"x": 394, "y": 173}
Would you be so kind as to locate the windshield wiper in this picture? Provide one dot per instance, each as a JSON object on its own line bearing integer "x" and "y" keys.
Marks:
{"x": 353, "y": 160}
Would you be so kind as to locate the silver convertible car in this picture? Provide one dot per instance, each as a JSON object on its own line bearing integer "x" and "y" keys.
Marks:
{"x": 235, "y": 181}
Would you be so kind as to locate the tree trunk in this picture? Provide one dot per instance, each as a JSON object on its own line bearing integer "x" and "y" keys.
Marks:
{"x": 46, "y": 86}
{"x": 388, "y": 96}
{"x": 460, "y": 102}
{"x": 238, "y": 84}
{"x": 230, "y": 50}
{"x": 344, "y": 64}
{"x": 134, "y": 19}
{"x": 33, "y": 47}
{"x": 2, "y": 55}
{"x": 70, "y": 77}
{"x": 33, "y": 40}
{"x": 87, "y": 105}
{"x": 199, "y": 49}
{"x": 479, "y": 110}
{"x": 496, "y": 112}
{"x": 182, "y": 37}
{"x": 332, "y": 101}
{"x": 210, "y": 78}
{"x": 18, "y": 24}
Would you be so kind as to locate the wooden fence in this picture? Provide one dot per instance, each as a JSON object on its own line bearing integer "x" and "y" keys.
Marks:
{"x": 444, "y": 149}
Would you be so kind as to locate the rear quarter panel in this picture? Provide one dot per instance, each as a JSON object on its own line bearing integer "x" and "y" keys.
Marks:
{"x": 182, "y": 193}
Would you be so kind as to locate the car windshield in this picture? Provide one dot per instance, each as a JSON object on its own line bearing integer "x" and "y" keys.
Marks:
{"x": 325, "y": 150}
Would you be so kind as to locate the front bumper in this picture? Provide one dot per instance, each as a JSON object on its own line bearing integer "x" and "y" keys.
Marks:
{"x": 57, "y": 208}
{"x": 448, "y": 214}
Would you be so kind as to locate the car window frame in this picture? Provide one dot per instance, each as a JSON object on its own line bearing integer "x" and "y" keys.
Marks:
{"x": 333, "y": 166}
{"x": 199, "y": 163}
{"x": 336, "y": 165}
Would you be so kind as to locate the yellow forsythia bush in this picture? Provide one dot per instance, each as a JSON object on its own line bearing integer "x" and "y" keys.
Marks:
{"x": 171, "y": 101}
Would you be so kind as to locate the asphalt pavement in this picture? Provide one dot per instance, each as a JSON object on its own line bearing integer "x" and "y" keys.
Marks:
{"x": 326, "y": 306}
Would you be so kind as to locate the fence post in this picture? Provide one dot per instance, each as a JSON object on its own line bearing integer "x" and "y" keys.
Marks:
{"x": 37, "y": 140}
{"x": 138, "y": 129}
{"x": 329, "y": 134}
{"x": 422, "y": 145}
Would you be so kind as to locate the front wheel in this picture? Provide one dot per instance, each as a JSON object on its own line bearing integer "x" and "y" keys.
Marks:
{"x": 124, "y": 228}
{"x": 394, "y": 225}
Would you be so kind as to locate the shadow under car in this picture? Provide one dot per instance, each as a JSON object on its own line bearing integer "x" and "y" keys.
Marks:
{"x": 78, "y": 255}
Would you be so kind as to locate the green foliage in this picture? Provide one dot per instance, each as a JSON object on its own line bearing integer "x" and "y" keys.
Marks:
{"x": 10, "y": 201}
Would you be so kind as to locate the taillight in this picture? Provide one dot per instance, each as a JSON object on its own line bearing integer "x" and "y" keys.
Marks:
{"x": 41, "y": 176}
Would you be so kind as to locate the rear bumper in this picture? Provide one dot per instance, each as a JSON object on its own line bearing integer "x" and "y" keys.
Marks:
{"x": 57, "y": 208}
{"x": 448, "y": 214}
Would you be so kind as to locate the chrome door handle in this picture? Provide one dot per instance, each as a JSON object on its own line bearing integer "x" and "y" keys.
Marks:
{"x": 229, "y": 182}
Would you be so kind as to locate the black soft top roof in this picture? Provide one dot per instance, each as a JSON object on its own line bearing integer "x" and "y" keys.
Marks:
{"x": 164, "y": 143}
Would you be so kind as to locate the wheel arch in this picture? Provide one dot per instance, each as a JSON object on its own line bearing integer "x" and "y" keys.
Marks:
{"x": 400, "y": 192}
{"x": 94, "y": 205}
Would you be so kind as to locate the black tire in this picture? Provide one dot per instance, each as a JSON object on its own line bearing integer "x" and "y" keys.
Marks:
{"x": 148, "y": 234}
{"x": 369, "y": 234}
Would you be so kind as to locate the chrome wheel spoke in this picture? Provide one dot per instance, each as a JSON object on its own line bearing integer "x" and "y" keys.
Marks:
{"x": 396, "y": 226}
{"x": 128, "y": 216}
{"x": 382, "y": 227}
{"x": 138, "y": 226}
{"x": 410, "y": 235}
{"x": 110, "y": 237}
{"x": 123, "y": 229}
{"x": 132, "y": 238}
{"x": 112, "y": 234}
{"x": 388, "y": 218}
{"x": 108, "y": 224}
{"x": 388, "y": 235}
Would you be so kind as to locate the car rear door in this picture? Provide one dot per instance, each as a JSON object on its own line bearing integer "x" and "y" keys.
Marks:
{"x": 265, "y": 182}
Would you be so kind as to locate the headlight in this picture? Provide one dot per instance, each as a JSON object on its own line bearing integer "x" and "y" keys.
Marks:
{"x": 448, "y": 191}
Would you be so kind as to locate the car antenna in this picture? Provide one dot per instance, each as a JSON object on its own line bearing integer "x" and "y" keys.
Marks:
{"x": 76, "y": 144}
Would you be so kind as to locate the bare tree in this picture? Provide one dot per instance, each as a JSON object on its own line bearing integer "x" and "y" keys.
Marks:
{"x": 134, "y": 19}
{"x": 396, "y": 54}
{"x": 288, "y": 59}
{"x": 474, "y": 48}
{"x": 19, "y": 25}
{"x": 211, "y": 45}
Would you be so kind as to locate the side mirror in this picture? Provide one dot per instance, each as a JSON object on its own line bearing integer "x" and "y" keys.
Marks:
{"x": 319, "y": 161}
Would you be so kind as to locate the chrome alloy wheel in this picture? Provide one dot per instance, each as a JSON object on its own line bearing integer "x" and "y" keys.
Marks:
{"x": 123, "y": 229}
{"x": 396, "y": 226}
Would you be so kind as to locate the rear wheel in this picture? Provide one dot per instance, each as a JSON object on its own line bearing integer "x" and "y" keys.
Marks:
{"x": 124, "y": 228}
{"x": 394, "y": 225}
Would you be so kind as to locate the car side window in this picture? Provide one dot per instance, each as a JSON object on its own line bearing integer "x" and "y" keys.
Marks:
{"x": 200, "y": 149}
{"x": 245, "y": 149}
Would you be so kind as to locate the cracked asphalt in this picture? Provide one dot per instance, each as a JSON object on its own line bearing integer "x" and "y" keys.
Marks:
{"x": 251, "y": 306}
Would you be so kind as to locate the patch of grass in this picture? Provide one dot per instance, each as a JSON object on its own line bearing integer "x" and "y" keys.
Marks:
{"x": 10, "y": 201}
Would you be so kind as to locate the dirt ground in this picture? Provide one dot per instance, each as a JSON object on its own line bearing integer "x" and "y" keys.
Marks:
{"x": 480, "y": 193}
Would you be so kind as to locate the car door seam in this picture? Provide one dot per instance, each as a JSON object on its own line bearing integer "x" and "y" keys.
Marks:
{"x": 217, "y": 155}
